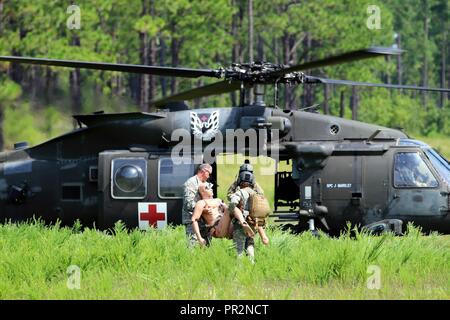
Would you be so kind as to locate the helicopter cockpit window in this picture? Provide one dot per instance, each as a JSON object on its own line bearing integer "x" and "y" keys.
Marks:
{"x": 129, "y": 178}
{"x": 411, "y": 171}
{"x": 172, "y": 177}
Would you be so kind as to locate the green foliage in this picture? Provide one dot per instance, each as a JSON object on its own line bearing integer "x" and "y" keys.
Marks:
{"x": 9, "y": 91}
{"x": 21, "y": 124}
{"x": 198, "y": 34}
{"x": 131, "y": 264}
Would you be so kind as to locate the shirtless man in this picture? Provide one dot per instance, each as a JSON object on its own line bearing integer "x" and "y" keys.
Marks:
{"x": 216, "y": 216}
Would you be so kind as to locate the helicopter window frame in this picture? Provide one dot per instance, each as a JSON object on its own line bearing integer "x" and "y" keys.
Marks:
{"x": 134, "y": 162}
{"x": 159, "y": 177}
{"x": 424, "y": 160}
{"x": 439, "y": 163}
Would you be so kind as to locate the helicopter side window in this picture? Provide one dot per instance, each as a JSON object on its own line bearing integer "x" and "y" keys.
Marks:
{"x": 129, "y": 178}
{"x": 411, "y": 171}
{"x": 172, "y": 178}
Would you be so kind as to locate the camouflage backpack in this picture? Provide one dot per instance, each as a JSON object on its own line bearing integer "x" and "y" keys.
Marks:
{"x": 259, "y": 209}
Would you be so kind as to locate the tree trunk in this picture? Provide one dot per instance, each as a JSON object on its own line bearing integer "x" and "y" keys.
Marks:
{"x": 388, "y": 74}
{"x": 75, "y": 83}
{"x": 326, "y": 107}
{"x": 175, "y": 51}
{"x": 250, "y": 99}
{"x": 16, "y": 71}
{"x": 241, "y": 48}
{"x": 276, "y": 50}
{"x": 162, "y": 54}
{"x": 48, "y": 86}
{"x": 354, "y": 103}
{"x": 425, "y": 58}
{"x": 308, "y": 91}
{"x": 1, "y": 19}
{"x": 152, "y": 58}
{"x": 260, "y": 52}
{"x": 399, "y": 61}
{"x": 235, "y": 48}
{"x": 250, "y": 31}
{"x": 75, "y": 90}
{"x": 342, "y": 105}
{"x": 1, "y": 106}
{"x": 2, "y": 142}
{"x": 286, "y": 60}
{"x": 144, "y": 98}
{"x": 443, "y": 70}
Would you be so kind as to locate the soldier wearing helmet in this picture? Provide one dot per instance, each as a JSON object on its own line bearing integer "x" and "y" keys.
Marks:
{"x": 246, "y": 167}
{"x": 239, "y": 201}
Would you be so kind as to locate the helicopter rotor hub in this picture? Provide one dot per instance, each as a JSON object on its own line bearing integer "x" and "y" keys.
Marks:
{"x": 260, "y": 73}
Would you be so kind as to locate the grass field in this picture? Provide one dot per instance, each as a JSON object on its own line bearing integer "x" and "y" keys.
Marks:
{"x": 34, "y": 260}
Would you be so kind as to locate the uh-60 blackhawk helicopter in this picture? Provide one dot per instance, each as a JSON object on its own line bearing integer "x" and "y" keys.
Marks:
{"x": 121, "y": 166}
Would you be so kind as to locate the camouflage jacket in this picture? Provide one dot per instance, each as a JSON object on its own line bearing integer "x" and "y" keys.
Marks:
{"x": 232, "y": 189}
{"x": 240, "y": 196}
{"x": 190, "y": 197}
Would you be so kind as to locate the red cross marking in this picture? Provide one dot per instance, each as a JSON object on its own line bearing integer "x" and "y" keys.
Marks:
{"x": 152, "y": 216}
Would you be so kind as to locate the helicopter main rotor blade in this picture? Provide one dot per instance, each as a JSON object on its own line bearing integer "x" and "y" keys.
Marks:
{"x": 311, "y": 79}
{"x": 342, "y": 58}
{"x": 208, "y": 90}
{"x": 133, "y": 68}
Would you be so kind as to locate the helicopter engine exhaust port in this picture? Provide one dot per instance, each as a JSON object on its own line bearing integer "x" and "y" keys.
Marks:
{"x": 282, "y": 124}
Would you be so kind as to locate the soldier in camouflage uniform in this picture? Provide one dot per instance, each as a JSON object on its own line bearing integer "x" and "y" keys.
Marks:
{"x": 239, "y": 201}
{"x": 191, "y": 196}
{"x": 246, "y": 167}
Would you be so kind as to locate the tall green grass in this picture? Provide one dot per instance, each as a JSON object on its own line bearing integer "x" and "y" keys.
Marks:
{"x": 158, "y": 265}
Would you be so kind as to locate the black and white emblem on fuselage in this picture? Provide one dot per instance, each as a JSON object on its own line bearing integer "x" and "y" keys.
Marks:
{"x": 205, "y": 126}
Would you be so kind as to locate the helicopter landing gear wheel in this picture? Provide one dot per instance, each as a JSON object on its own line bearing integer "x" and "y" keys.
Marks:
{"x": 313, "y": 229}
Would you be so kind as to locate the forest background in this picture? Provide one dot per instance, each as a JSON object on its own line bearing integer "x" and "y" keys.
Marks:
{"x": 36, "y": 103}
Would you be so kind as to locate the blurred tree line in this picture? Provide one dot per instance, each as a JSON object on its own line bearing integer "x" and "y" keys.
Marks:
{"x": 36, "y": 102}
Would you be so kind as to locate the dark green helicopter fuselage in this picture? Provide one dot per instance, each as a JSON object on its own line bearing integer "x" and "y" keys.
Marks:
{"x": 347, "y": 167}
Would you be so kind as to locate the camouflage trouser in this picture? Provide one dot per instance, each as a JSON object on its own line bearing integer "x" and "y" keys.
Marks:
{"x": 241, "y": 241}
{"x": 192, "y": 238}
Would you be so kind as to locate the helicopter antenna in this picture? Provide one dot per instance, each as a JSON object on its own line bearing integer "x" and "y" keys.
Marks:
{"x": 275, "y": 93}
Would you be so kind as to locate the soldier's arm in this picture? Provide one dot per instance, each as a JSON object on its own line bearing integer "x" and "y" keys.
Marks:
{"x": 189, "y": 196}
{"x": 234, "y": 201}
{"x": 235, "y": 212}
{"x": 231, "y": 190}
{"x": 263, "y": 235}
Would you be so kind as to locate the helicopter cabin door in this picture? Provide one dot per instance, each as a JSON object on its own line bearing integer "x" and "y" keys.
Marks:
{"x": 375, "y": 186}
{"x": 415, "y": 185}
{"x": 342, "y": 188}
{"x": 142, "y": 189}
